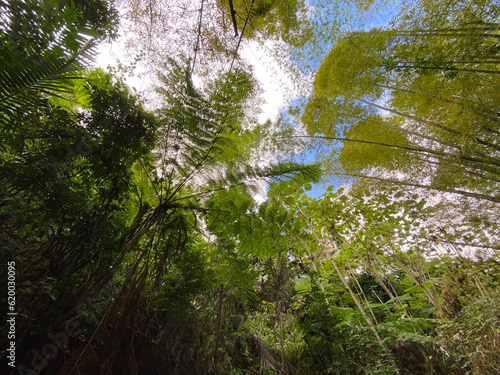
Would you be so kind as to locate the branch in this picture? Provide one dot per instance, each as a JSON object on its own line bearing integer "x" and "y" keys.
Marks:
{"x": 445, "y": 190}
{"x": 242, "y": 33}
{"x": 199, "y": 35}
{"x": 480, "y": 164}
{"x": 233, "y": 17}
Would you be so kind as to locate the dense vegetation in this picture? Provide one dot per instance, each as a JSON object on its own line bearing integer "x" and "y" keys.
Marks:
{"x": 134, "y": 223}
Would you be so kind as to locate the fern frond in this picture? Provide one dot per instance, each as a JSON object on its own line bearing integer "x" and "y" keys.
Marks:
{"x": 22, "y": 81}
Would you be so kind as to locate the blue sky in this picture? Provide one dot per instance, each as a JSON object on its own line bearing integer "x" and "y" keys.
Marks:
{"x": 334, "y": 21}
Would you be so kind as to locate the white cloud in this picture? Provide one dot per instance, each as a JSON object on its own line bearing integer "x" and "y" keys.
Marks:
{"x": 273, "y": 79}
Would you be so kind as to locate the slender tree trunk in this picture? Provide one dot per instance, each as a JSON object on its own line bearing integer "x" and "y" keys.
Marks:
{"x": 482, "y": 164}
{"x": 233, "y": 17}
{"x": 410, "y": 274}
{"x": 218, "y": 328}
{"x": 448, "y": 68}
{"x": 423, "y": 121}
{"x": 491, "y": 115}
{"x": 454, "y": 191}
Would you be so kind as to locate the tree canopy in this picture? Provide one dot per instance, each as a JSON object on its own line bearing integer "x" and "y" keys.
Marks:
{"x": 170, "y": 232}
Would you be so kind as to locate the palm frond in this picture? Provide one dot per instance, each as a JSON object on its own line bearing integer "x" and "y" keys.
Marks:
{"x": 23, "y": 80}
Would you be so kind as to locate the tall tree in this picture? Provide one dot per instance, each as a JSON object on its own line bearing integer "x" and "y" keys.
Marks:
{"x": 202, "y": 144}
{"x": 405, "y": 99}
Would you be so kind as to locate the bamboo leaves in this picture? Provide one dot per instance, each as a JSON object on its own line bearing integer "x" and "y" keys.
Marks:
{"x": 398, "y": 115}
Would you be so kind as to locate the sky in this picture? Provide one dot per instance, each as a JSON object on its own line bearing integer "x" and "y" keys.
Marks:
{"x": 275, "y": 83}
{"x": 272, "y": 81}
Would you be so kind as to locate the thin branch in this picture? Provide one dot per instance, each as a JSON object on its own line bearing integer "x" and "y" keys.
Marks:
{"x": 446, "y": 190}
{"x": 199, "y": 35}
{"x": 233, "y": 17}
{"x": 242, "y": 34}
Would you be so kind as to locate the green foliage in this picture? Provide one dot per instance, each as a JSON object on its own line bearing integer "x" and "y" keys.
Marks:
{"x": 401, "y": 100}
{"x": 333, "y": 338}
{"x": 179, "y": 315}
{"x": 66, "y": 190}
{"x": 40, "y": 62}
{"x": 144, "y": 230}
{"x": 279, "y": 19}
{"x": 472, "y": 337}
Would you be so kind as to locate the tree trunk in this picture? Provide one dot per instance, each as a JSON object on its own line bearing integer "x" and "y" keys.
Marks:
{"x": 218, "y": 329}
